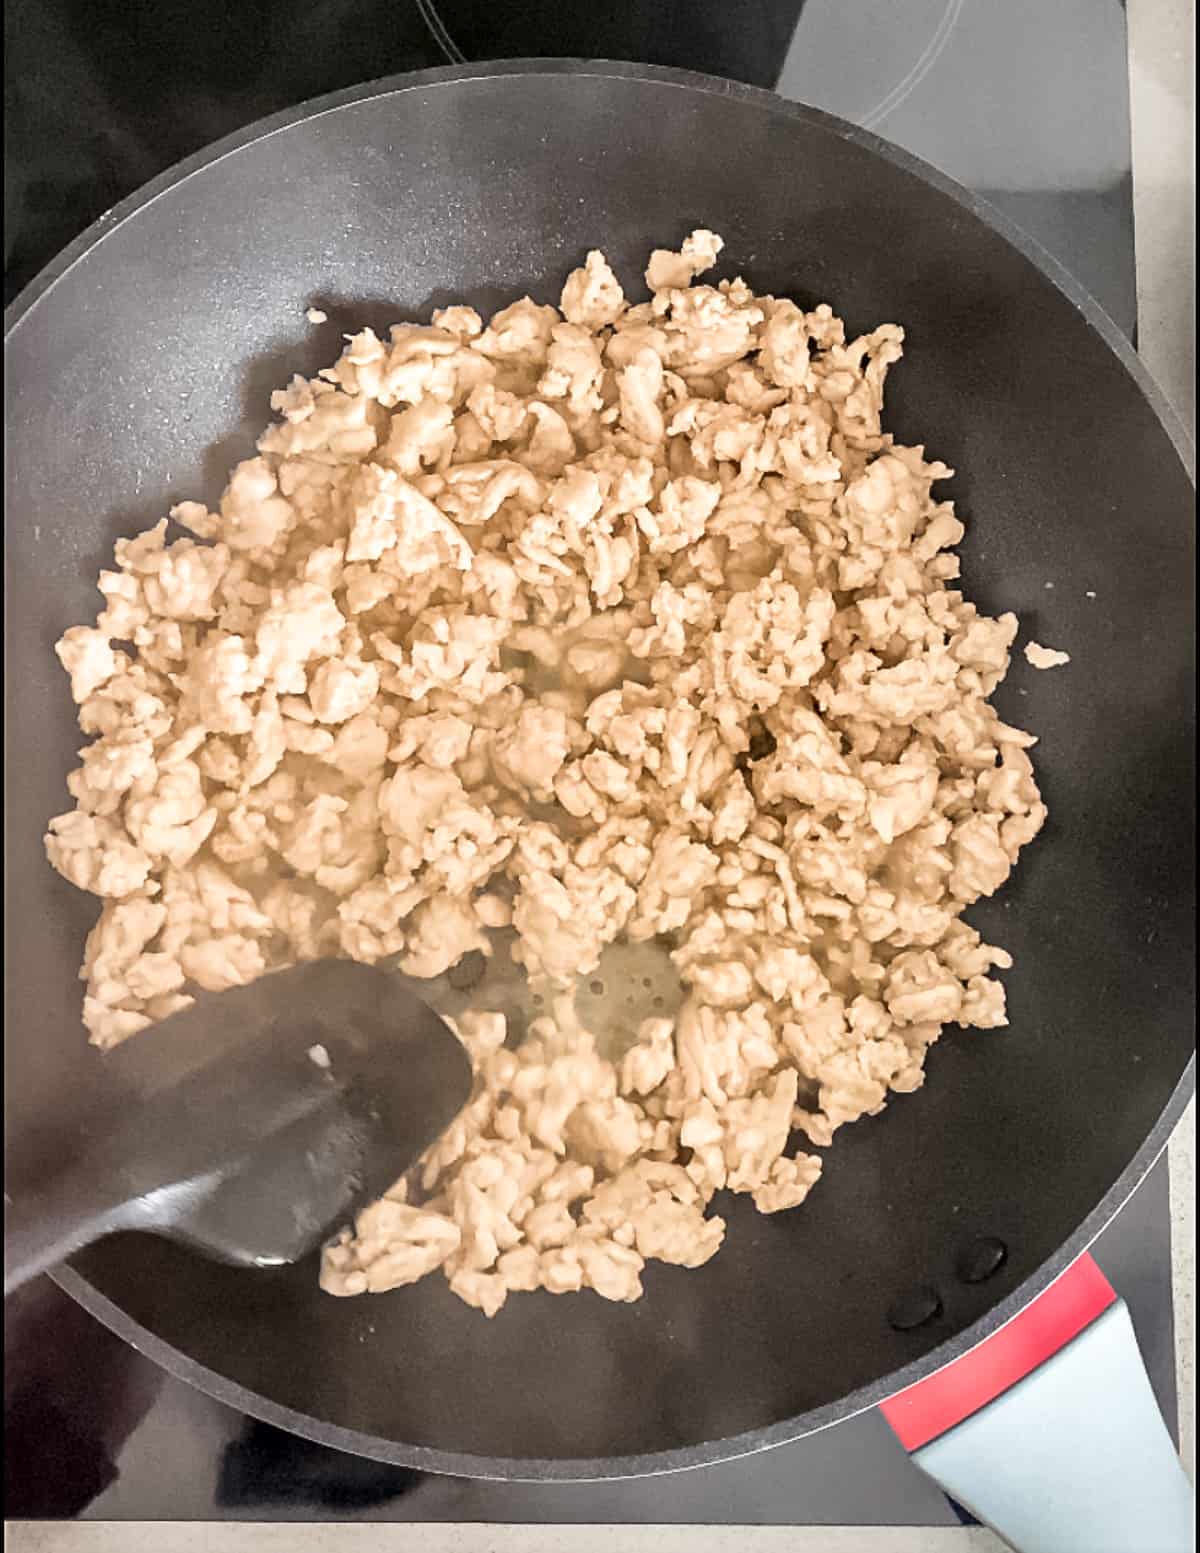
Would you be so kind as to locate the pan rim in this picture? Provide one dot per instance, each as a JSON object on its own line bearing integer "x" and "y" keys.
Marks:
{"x": 179, "y": 1364}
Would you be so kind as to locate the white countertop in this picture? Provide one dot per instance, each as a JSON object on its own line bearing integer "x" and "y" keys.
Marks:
{"x": 261, "y": 1537}
{"x": 1162, "y": 84}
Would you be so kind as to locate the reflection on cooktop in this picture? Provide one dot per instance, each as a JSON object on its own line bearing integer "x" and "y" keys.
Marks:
{"x": 266, "y": 1466}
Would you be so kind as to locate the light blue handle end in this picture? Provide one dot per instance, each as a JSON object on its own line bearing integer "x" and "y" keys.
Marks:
{"x": 1075, "y": 1458}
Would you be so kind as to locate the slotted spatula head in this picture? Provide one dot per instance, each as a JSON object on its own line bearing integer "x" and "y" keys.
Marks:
{"x": 268, "y": 1116}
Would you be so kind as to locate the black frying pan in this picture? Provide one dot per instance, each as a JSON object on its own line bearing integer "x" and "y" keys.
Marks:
{"x": 139, "y": 368}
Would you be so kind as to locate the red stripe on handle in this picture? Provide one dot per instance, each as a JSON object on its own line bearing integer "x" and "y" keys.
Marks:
{"x": 922, "y": 1412}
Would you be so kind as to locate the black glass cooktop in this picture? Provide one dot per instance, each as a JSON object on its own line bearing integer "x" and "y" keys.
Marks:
{"x": 1024, "y": 102}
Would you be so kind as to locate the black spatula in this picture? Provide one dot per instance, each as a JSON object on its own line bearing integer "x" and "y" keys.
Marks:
{"x": 266, "y": 1116}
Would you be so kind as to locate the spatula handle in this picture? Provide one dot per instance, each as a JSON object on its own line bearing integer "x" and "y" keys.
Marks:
{"x": 1049, "y": 1432}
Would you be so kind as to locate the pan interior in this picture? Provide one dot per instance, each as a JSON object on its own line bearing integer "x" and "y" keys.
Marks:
{"x": 143, "y": 373}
